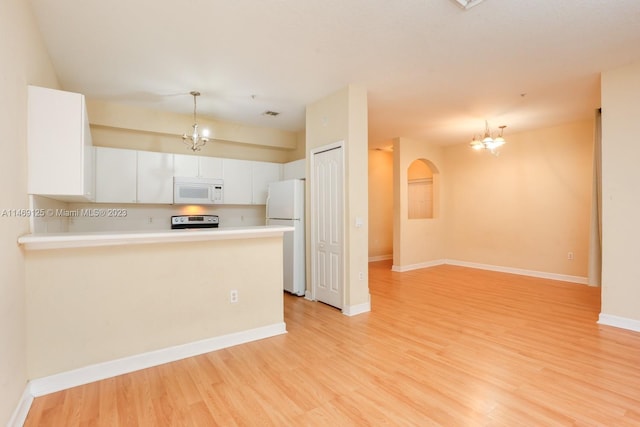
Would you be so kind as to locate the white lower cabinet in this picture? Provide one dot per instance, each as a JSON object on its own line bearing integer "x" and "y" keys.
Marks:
{"x": 155, "y": 177}
{"x": 116, "y": 175}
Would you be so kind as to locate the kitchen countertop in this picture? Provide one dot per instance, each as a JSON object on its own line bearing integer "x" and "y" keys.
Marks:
{"x": 111, "y": 238}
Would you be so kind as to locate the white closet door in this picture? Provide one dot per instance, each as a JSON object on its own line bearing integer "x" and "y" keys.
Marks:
{"x": 327, "y": 227}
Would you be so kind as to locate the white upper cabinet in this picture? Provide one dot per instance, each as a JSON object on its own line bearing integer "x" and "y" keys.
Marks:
{"x": 197, "y": 166}
{"x": 263, "y": 173}
{"x": 59, "y": 149}
{"x": 237, "y": 181}
{"x": 130, "y": 176}
{"x": 245, "y": 181}
{"x": 210, "y": 167}
{"x": 116, "y": 175}
{"x": 185, "y": 165}
{"x": 294, "y": 170}
{"x": 155, "y": 177}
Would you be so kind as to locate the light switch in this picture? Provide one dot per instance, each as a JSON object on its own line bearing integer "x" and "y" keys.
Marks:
{"x": 359, "y": 222}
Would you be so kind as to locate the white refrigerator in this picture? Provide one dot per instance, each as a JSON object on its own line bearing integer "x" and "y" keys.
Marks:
{"x": 285, "y": 206}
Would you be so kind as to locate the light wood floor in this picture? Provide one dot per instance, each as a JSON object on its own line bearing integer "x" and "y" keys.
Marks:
{"x": 444, "y": 346}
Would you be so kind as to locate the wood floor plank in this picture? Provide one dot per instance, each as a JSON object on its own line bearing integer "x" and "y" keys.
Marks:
{"x": 442, "y": 346}
{"x": 107, "y": 407}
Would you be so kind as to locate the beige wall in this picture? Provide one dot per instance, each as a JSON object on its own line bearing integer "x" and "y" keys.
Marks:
{"x": 418, "y": 169}
{"x": 380, "y": 204}
{"x": 417, "y": 241}
{"x": 23, "y": 61}
{"x": 301, "y": 148}
{"x": 91, "y": 305}
{"x": 620, "y": 193}
{"x": 124, "y": 126}
{"x": 342, "y": 116}
{"x": 526, "y": 208}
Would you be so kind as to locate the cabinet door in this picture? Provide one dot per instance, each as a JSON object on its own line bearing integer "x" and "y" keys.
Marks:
{"x": 263, "y": 173}
{"x": 210, "y": 167}
{"x": 155, "y": 177}
{"x": 115, "y": 175}
{"x": 185, "y": 165}
{"x": 60, "y": 156}
{"x": 294, "y": 170}
{"x": 237, "y": 181}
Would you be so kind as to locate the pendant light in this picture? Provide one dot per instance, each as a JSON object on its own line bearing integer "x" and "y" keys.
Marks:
{"x": 487, "y": 141}
{"x": 195, "y": 141}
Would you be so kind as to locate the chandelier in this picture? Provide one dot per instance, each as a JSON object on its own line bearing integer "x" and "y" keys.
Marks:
{"x": 194, "y": 140}
{"x": 487, "y": 141}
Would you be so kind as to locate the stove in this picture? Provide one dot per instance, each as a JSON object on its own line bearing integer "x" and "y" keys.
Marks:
{"x": 194, "y": 221}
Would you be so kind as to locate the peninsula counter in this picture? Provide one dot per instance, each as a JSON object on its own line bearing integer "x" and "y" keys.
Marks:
{"x": 102, "y": 304}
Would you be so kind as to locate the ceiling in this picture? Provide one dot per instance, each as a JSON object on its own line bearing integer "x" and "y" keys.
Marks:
{"x": 433, "y": 71}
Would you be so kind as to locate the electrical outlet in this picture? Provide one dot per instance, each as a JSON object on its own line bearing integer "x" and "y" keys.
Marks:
{"x": 233, "y": 296}
{"x": 570, "y": 256}
{"x": 361, "y": 276}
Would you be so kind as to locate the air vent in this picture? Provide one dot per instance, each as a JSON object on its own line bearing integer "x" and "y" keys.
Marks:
{"x": 270, "y": 113}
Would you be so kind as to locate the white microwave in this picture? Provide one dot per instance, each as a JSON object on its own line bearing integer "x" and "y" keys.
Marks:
{"x": 197, "y": 191}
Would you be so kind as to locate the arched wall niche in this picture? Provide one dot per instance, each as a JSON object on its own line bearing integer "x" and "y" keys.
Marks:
{"x": 417, "y": 242}
{"x": 422, "y": 190}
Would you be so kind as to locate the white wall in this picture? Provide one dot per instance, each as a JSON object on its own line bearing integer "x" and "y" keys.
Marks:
{"x": 620, "y": 193}
{"x": 24, "y": 61}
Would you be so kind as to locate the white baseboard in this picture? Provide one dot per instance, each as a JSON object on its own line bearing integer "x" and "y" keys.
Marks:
{"x": 100, "y": 371}
{"x": 522, "y": 272}
{"x": 354, "y": 310}
{"x": 427, "y": 264}
{"x": 619, "y": 322}
{"x": 19, "y": 415}
{"x": 380, "y": 258}
{"x": 349, "y": 310}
